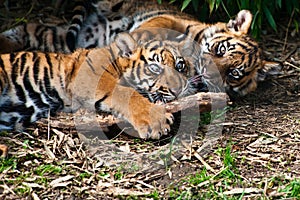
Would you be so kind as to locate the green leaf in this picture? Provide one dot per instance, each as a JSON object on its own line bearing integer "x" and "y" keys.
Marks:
{"x": 159, "y": 1}
{"x": 279, "y": 3}
{"x": 296, "y": 25}
{"x": 254, "y": 20}
{"x": 218, "y": 3}
{"x": 256, "y": 25}
{"x": 245, "y": 4}
{"x": 185, "y": 4}
{"x": 225, "y": 9}
{"x": 211, "y": 4}
{"x": 269, "y": 17}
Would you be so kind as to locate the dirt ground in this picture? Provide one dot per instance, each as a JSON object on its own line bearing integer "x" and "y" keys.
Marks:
{"x": 49, "y": 160}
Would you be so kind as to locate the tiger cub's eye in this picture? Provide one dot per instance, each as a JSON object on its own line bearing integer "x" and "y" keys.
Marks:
{"x": 221, "y": 50}
{"x": 155, "y": 69}
{"x": 235, "y": 74}
{"x": 180, "y": 64}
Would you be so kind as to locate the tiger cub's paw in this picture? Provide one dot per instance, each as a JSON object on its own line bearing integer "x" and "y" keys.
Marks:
{"x": 155, "y": 123}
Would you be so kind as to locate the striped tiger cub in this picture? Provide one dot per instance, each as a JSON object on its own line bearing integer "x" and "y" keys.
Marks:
{"x": 227, "y": 45}
{"x": 34, "y": 84}
{"x": 92, "y": 25}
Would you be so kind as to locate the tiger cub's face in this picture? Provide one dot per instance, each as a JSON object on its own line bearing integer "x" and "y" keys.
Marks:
{"x": 160, "y": 73}
{"x": 228, "y": 52}
{"x": 237, "y": 60}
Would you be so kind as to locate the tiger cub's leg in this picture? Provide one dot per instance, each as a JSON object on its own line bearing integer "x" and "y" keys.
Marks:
{"x": 149, "y": 119}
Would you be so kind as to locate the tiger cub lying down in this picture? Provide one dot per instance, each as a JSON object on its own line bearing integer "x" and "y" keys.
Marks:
{"x": 33, "y": 84}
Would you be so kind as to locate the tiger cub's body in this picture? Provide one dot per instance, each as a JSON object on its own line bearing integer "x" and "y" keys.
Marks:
{"x": 34, "y": 36}
{"x": 227, "y": 46}
{"x": 100, "y": 27}
{"x": 93, "y": 25}
{"x": 34, "y": 84}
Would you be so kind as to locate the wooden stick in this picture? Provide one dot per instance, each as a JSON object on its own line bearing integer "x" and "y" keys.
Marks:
{"x": 206, "y": 101}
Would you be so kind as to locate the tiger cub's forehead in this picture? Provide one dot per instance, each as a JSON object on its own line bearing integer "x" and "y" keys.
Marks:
{"x": 226, "y": 36}
{"x": 239, "y": 42}
{"x": 164, "y": 48}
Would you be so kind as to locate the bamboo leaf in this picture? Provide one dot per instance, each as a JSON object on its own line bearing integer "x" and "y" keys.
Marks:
{"x": 211, "y": 4}
{"x": 218, "y": 3}
{"x": 254, "y": 20}
{"x": 185, "y": 4}
{"x": 269, "y": 17}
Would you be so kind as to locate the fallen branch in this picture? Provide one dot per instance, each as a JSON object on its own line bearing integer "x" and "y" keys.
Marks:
{"x": 200, "y": 102}
{"x": 206, "y": 101}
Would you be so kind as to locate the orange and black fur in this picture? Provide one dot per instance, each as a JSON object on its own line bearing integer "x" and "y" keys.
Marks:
{"x": 34, "y": 84}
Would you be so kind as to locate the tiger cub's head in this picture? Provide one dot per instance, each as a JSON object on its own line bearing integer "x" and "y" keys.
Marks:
{"x": 235, "y": 55}
{"x": 155, "y": 69}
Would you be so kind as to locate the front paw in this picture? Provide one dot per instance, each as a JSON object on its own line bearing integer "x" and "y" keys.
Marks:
{"x": 153, "y": 122}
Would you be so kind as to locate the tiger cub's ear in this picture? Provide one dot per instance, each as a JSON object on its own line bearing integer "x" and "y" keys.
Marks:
{"x": 126, "y": 44}
{"x": 241, "y": 24}
{"x": 269, "y": 70}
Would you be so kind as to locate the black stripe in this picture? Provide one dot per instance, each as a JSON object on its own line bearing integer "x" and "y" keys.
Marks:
{"x": 25, "y": 37}
{"x": 243, "y": 46}
{"x": 12, "y": 57}
{"x": 2, "y": 64}
{"x": 71, "y": 74}
{"x": 49, "y": 62}
{"x": 99, "y": 102}
{"x": 35, "y": 97}
{"x": 40, "y": 32}
{"x": 76, "y": 21}
{"x": 23, "y": 62}
{"x": 14, "y": 76}
{"x": 196, "y": 38}
{"x": 36, "y": 67}
{"x": 187, "y": 29}
{"x": 117, "y": 7}
{"x": 21, "y": 109}
{"x": 4, "y": 77}
{"x": 246, "y": 85}
{"x": 116, "y": 69}
{"x": 142, "y": 58}
{"x": 54, "y": 38}
{"x": 63, "y": 44}
{"x": 51, "y": 94}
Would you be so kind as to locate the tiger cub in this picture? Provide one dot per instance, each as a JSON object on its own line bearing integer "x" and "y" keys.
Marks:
{"x": 33, "y": 84}
{"x": 227, "y": 46}
{"x": 34, "y": 36}
{"x": 92, "y": 25}
{"x": 109, "y": 18}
